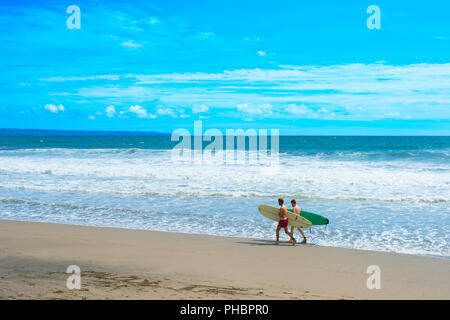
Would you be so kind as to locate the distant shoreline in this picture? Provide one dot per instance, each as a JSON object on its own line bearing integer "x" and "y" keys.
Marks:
{"x": 109, "y": 133}
{"x": 72, "y": 133}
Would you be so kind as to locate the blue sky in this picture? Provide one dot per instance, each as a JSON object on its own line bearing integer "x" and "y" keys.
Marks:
{"x": 305, "y": 67}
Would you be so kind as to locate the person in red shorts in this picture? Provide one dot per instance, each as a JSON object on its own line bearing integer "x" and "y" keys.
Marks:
{"x": 283, "y": 223}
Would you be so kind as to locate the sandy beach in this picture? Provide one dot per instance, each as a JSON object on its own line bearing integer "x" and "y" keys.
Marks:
{"x": 137, "y": 264}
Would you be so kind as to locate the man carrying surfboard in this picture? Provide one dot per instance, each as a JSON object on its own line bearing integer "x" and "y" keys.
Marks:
{"x": 283, "y": 223}
{"x": 297, "y": 210}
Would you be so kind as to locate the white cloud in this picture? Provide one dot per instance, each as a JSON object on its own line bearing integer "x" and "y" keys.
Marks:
{"x": 141, "y": 112}
{"x": 91, "y": 118}
{"x": 252, "y": 39}
{"x": 316, "y": 76}
{"x": 351, "y": 92}
{"x": 97, "y": 77}
{"x": 252, "y": 109}
{"x": 261, "y": 53}
{"x": 110, "y": 111}
{"x": 123, "y": 114}
{"x": 166, "y": 112}
{"x": 298, "y": 110}
{"x": 205, "y": 35}
{"x": 53, "y": 108}
{"x": 154, "y": 20}
{"x": 131, "y": 44}
{"x": 200, "y": 108}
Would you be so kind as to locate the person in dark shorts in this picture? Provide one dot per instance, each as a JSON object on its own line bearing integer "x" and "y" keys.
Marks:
{"x": 283, "y": 223}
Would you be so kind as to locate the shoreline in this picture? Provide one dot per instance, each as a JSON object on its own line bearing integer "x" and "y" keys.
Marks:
{"x": 120, "y": 263}
{"x": 431, "y": 256}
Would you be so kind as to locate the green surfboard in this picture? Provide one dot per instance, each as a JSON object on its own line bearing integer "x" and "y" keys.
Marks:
{"x": 316, "y": 219}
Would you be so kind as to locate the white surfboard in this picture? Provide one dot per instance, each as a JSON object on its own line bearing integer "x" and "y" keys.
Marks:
{"x": 293, "y": 219}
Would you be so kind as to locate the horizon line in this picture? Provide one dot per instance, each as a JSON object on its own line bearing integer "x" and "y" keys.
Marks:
{"x": 159, "y": 133}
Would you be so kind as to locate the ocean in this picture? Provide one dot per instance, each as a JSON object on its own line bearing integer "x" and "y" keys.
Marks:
{"x": 379, "y": 193}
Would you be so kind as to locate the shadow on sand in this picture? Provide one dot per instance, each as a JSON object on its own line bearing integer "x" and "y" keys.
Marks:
{"x": 263, "y": 242}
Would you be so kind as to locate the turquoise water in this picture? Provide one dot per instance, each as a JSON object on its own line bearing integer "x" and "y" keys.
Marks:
{"x": 379, "y": 193}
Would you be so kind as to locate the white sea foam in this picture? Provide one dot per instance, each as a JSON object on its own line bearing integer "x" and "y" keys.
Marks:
{"x": 152, "y": 172}
{"x": 389, "y": 205}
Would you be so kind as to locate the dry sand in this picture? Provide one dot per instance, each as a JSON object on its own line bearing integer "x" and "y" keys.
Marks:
{"x": 137, "y": 264}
